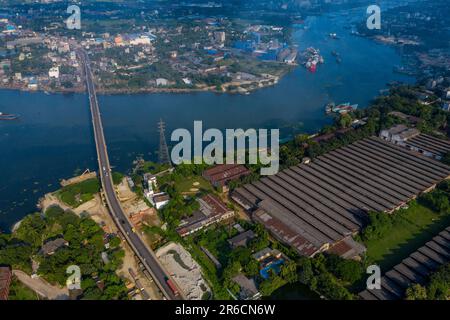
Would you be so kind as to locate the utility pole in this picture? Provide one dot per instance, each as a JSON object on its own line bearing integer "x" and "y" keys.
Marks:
{"x": 163, "y": 154}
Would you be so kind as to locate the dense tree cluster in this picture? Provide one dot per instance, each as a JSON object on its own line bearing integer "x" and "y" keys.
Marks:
{"x": 438, "y": 287}
{"x": 85, "y": 244}
{"x": 317, "y": 274}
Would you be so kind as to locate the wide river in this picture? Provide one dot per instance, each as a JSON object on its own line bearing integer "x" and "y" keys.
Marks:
{"x": 53, "y": 139}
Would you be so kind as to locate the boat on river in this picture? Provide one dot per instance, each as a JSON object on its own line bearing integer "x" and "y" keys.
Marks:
{"x": 7, "y": 116}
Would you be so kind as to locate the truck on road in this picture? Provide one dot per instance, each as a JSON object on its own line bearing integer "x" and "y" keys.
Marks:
{"x": 172, "y": 287}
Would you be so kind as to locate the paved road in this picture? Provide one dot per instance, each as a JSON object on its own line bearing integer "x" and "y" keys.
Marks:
{"x": 41, "y": 287}
{"x": 146, "y": 256}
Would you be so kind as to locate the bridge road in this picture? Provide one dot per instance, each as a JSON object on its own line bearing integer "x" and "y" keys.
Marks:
{"x": 145, "y": 254}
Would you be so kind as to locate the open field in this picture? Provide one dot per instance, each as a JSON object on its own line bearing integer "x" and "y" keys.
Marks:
{"x": 193, "y": 185}
{"x": 18, "y": 291}
{"x": 76, "y": 194}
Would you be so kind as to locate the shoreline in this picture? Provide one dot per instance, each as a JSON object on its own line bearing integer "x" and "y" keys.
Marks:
{"x": 253, "y": 86}
{"x": 269, "y": 81}
{"x": 136, "y": 92}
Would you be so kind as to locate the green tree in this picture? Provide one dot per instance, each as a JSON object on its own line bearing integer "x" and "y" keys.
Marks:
{"x": 251, "y": 268}
{"x": 446, "y": 158}
{"x": 306, "y": 273}
{"x": 289, "y": 272}
{"x": 416, "y": 292}
{"x": 439, "y": 286}
{"x": 347, "y": 270}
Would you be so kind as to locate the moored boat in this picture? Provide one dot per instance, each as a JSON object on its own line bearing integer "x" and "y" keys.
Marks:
{"x": 6, "y": 116}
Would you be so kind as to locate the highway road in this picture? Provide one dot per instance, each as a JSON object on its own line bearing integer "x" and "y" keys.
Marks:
{"x": 145, "y": 254}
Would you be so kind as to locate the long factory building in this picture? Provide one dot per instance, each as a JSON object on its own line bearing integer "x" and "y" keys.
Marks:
{"x": 318, "y": 206}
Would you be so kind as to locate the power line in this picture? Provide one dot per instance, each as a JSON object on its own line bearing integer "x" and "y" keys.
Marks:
{"x": 163, "y": 153}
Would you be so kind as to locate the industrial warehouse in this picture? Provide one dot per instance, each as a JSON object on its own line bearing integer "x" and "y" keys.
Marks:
{"x": 414, "y": 269}
{"x": 318, "y": 206}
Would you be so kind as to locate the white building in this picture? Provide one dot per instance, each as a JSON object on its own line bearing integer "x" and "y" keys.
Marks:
{"x": 63, "y": 47}
{"x": 219, "y": 36}
{"x": 141, "y": 40}
{"x": 162, "y": 82}
{"x": 160, "y": 200}
{"x": 54, "y": 72}
{"x": 399, "y": 134}
{"x": 150, "y": 180}
{"x": 447, "y": 93}
{"x": 148, "y": 194}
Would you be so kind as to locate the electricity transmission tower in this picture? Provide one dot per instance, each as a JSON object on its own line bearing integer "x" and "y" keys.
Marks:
{"x": 163, "y": 153}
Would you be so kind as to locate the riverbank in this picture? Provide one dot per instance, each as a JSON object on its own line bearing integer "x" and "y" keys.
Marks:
{"x": 242, "y": 87}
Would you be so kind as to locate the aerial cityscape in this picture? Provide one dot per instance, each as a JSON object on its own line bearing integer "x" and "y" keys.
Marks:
{"x": 258, "y": 150}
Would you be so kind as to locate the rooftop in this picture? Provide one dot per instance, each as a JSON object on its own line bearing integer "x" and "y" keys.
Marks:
{"x": 242, "y": 238}
{"x": 316, "y": 205}
{"x": 248, "y": 287}
{"x": 223, "y": 173}
{"x": 429, "y": 144}
{"x": 50, "y": 247}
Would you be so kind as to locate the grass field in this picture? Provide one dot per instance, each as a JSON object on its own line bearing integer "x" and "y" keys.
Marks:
{"x": 76, "y": 194}
{"x": 18, "y": 291}
{"x": 185, "y": 185}
{"x": 416, "y": 226}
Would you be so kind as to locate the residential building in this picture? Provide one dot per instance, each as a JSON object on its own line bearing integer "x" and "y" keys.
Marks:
{"x": 398, "y": 134}
{"x": 162, "y": 82}
{"x": 212, "y": 210}
{"x": 219, "y": 37}
{"x": 150, "y": 179}
{"x": 160, "y": 200}
{"x": 266, "y": 253}
{"x": 54, "y": 72}
{"x": 411, "y": 119}
{"x": 50, "y": 247}
{"x": 242, "y": 239}
{"x": 140, "y": 40}
{"x": 249, "y": 291}
{"x": 118, "y": 41}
